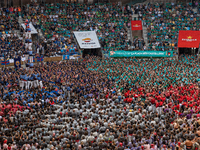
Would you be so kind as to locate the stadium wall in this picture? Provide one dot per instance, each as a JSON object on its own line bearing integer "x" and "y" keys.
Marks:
{"x": 8, "y": 3}
{"x": 46, "y": 59}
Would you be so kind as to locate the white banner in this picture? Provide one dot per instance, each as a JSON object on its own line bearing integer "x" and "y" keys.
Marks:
{"x": 87, "y": 39}
{"x": 33, "y": 30}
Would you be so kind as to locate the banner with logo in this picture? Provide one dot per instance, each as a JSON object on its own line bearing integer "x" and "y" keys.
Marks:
{"x": 189, "y": 39}
{"x": 17, "y": 62}
{"x": 140, "y": 54}
{"x": 136, "y": 25}
{"x": 65, "y": 57}
{"x": 87, "y": 39}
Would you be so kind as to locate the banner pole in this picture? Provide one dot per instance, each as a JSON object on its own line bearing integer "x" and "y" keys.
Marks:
{"x": 198, "y": 53}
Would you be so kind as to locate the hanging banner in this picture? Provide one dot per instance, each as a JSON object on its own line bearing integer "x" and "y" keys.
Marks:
{"x": 140, "y": 54}
{"x": 65, "y": 57}
{"x": 189, "y": 39}
{"x": 33, "y": 30}
{"x": 87, "y": 39}
{"x": 17, "y": 62}
{"x": 136, "y": 25}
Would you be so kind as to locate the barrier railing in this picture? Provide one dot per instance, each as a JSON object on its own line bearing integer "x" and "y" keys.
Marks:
{"x": 46, "y": 59}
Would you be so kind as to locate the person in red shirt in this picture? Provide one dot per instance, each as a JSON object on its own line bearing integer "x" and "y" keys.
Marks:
{"x": 178, "y": 107}
{"x": 157, "y": 104}
{"x": 161, "y": 103}
{"x": 191, "y": 105}
{"x": 159, "y": 107}
{"x": 9, "y": 146}
{"x": 129, "y": 100}
{"x": 153, "y": 101}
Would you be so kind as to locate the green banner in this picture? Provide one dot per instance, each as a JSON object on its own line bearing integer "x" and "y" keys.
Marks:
{"x": 140, "y": 54}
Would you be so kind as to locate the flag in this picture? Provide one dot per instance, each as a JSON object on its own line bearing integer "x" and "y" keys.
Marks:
{"x": 65, "y": 57}
{"x": 17, "y": 62}
{"x": 40, "y": 58}
{"x": 5, "y": 62}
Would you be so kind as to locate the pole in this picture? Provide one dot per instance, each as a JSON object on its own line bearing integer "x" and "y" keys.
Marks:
{"x": 198, "y": 54}
{"x": 177, "y": 53}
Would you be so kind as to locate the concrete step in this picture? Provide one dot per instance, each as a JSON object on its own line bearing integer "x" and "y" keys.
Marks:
{"x": 135, "y": 15}
{"x": 195, "y": 10}
{"x": 40, "y": 33}
{"x": 145, "y": 35}
{"x": 18, "y": 32}
{"x": 129, "y": 34}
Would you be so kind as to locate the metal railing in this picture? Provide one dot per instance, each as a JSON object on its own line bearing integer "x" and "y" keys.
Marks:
{"x": 133, "y": 2}
{"x": 161, "y": 1}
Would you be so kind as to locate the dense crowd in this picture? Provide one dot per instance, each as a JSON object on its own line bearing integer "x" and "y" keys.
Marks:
{"x": 57, "y": 21}
{"x": 10, "y": 44}
{"x": 95, "y": 103}
{"x": 111, "y": 22}
{"x": 138, "y": 44}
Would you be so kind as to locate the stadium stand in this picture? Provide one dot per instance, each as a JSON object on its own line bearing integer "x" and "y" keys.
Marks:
{"x": 95, "y": 103}
{"x": 59, "y": 20}
{"x": 164, "y": 21}
{"x": 10, "y": 42}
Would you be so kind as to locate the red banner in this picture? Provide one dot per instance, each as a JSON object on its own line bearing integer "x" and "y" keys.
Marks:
{"x": 189, "y": 39}
{"x": 136, "y": 25}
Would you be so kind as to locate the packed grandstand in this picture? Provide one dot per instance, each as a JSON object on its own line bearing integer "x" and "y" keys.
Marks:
{"x": 115, "y": 101}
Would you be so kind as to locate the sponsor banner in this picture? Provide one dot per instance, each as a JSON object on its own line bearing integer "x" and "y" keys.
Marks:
{"x": 189, "y": 39}
{"x": 87, "y": 39}
{"x": 140, "y": 54}
{"x": 136, "y": 25}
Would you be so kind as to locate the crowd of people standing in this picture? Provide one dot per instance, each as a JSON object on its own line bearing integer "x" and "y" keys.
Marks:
{"x": 95, "y": 103}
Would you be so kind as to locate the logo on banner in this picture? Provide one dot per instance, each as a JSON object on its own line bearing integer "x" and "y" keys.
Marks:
{"x": 17, "y": 63}
{"x": 136, "y": 26}
{"x": 112, "y": 53}
{"x": 87, "y": 40}
{"x": 168, "y": 53}
{"x": 189, "y": 39}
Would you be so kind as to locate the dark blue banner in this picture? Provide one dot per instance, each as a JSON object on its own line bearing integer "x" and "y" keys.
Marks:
{"x": 17, "y": 62}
